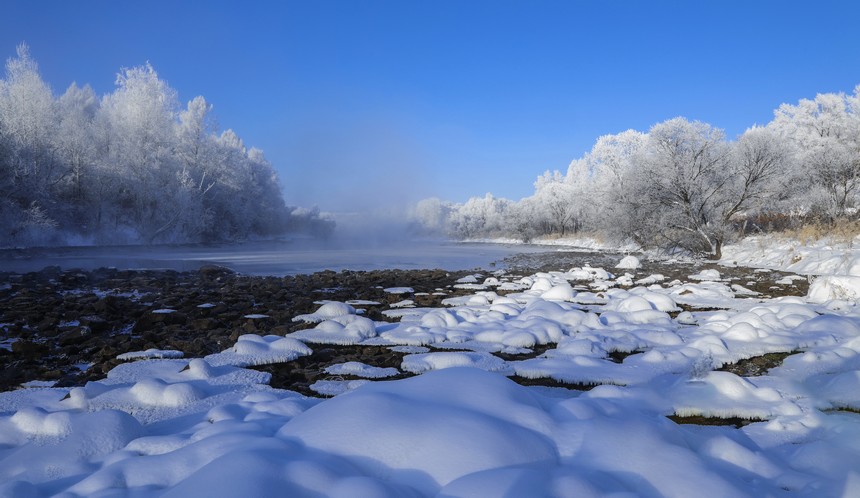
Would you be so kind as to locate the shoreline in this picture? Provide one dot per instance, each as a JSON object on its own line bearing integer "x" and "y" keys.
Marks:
{"x": 69, "y": 326}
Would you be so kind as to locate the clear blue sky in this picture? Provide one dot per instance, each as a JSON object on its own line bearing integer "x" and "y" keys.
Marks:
{"x": 366, "y": 103}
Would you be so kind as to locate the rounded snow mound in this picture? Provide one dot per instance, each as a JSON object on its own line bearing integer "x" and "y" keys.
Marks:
{"x": 629, "y": 263}
{"x": 420, "y": 363}
{"x": 449, "y": 424}
{"x": 327, "y": 311}
{"x": 252, "y": 349}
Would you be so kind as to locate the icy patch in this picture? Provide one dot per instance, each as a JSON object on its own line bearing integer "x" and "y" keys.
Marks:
{"x": 206, "y": 305}
{"x": 363, "y": 370}
{"x": 740, "y": 290}
{"x": 163, "y": 311}
{"x": 151, "y": 353}
{"x": 38, "y": 384}
{"x": 409, "y": 349}
{"x": 398, "y": 290}
{"x": 336, "y": 387}
{"x": 362, "y": 302}
{"x": 706, "y": 276}
{"x": 6, "y": 344}
{"x": 256, "y": 316}
{"x": 651, "y": 279}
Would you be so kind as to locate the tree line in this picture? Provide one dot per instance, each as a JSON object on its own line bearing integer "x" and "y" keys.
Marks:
{"x": 684, "y": 185}
{"x": 131, "y": 166}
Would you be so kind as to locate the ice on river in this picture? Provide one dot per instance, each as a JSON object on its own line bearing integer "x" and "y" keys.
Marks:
{"x": 462, "y": 426}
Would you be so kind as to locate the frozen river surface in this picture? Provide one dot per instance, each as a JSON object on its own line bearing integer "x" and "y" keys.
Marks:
{"x": 269, "y": 258}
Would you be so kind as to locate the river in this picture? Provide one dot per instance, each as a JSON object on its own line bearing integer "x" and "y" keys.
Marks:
{"x": 271, "y": 258}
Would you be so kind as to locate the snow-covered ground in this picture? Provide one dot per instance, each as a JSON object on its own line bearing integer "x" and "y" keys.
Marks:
{"x": 167, "y": 426}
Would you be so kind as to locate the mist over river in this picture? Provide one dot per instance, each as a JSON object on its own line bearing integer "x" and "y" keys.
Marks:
{"x": 275, "y": 258}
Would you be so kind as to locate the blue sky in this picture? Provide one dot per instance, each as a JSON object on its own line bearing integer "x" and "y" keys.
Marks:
{"x": 362, "y": 104}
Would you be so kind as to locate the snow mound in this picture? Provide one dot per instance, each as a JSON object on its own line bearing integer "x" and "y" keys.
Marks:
{"x": 156, "y": 392}
{"x": 726, "y": 395}
{"x": 448, "y": 424}
{"x": 420, "y": 363}
{"x": 343, "y": 330}
{"x": 629, "y": 263}
{"x": 560, "y": 292}
{"x": 327, "y": 311}
{"x": 253, "y": 349}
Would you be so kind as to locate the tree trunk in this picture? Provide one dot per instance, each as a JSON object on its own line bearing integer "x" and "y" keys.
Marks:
{"x": 717, "y": 250}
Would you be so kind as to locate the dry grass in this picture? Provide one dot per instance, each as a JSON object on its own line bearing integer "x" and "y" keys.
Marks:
{"x": 838, "y": 232}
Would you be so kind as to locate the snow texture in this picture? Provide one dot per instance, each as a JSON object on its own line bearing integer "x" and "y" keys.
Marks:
{"x": 461, "y": 426}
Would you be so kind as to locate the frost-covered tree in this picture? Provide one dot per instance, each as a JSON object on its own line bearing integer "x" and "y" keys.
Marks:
{"x": 480, "y": 216}
{"x": 685, "y": 178}
{"x": 432, "y": 215}
{"x": 683, "y": 185}
{"x": 28, "y": 164}
{"x": 610, "y": 170}
{"x": 826, "y": 132}
{"x": 559, "y": 210}
{"x": 765, "y": 175}
{"x": 129, "y": 167}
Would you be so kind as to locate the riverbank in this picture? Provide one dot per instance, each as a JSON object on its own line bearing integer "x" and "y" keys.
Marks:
{"x": 67, "y": 327}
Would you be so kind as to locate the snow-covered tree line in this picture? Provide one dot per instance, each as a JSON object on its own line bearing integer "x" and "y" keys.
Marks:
{"x": 129, "y": 167}
{"x": 684, "y": 185}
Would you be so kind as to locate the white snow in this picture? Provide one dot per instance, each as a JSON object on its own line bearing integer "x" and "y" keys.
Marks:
{"x": 329, "y": 310}
{"x": 629, "y": 263}
{"x": 398, "y": 290}
{"x": 359, "y": 369}
{"x": 708, "y": 275}
{"x": 151, "y": 354}
{"x": 166, "y": 426}
{"x": 253, "y": 349}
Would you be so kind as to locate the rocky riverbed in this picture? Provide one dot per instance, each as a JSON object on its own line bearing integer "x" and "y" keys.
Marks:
{"x": 69, "y": 326}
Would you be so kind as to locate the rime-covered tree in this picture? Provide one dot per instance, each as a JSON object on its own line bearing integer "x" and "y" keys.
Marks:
{"x": 29, "y": 168}
{"x": 130, "y": 167}
{"x": 826, "y": 131}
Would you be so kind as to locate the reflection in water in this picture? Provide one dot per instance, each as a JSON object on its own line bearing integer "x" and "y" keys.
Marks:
{"x": 267, "y": 258}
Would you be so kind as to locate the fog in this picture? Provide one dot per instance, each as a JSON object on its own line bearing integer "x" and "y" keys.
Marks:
{"x": 275, "y": 258}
